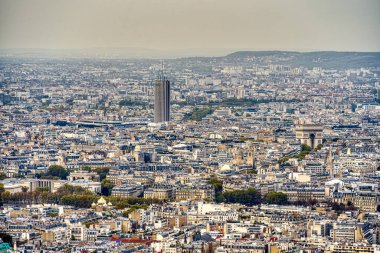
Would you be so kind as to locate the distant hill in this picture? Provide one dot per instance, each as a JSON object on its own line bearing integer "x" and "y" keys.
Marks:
{"x": 325, "y": 59}
{"x": 244, "y": 54}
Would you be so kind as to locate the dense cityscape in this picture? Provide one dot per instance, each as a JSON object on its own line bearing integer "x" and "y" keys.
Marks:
{"x": 256, "y": 152}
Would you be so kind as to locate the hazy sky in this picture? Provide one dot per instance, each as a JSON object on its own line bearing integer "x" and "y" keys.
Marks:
{"x": 343, "y": 25}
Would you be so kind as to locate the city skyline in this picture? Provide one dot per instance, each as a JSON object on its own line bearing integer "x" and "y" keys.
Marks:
{"x": 264, "y": 152}
{"x": 190, "y": 126}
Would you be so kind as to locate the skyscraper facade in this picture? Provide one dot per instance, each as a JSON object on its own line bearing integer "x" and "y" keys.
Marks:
{"x": 161, "y": 100}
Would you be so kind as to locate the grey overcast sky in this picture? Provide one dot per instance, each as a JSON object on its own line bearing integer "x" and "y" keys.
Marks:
{"x": 304, "y": 25}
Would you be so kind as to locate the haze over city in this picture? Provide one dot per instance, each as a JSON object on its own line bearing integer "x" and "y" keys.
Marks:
{"x": 190, "y": 27}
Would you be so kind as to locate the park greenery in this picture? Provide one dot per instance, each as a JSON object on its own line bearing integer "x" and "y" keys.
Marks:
{"x": 305, "y": 150}
{"x": 247, "y": 197}
{"x": 275, "y": 198}
{"x": 218, "y": 184}
{"x": 67, "y": 194}
{"x": 127, "y": 102}
{"x": 250, "y": 196}
{"x": 133, "y": 208}
{"x": 2, "y": 176}
{"x": 106, "y": 188}
{"x": 218, "y": 187}
{"x": 79, "y": 197}
{"x": 55, "y": 172}
{"x": 340, "y": 207}
{"x": 252, "y": 171}
{"x": 58, "y": 171}
{"x": 319, "y": 147}
{"x": 242, "y": 102}
{"x": 101, "y": 171}
{"x": 198, "y": 113}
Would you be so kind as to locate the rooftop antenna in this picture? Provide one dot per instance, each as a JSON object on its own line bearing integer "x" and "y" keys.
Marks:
{"x": 162, "y": 69}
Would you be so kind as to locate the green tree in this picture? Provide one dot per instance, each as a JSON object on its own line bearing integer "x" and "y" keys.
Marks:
{"x": 121, "y": 202}
{"x": 102, "y": 172}
{"x": 58, "y": 171}
{"x": 2, "y": 195}
{"x": 305, "y": 147}
{"x": 67, "y": 189}
{"x": 218, "y": 184}
{"x": 252, "y": 171}
{"x": 106, "y": 187}
{"x": 305, "y": 150}
{"x": 247, "y": 197}
{"x": 86, "y": 168}
{"x": 6, "y": 238}
{"x": 5, "y": 196}
{"x": 277, "y": 198}
{"x": 198, "y": 113}
{"x": 218, "y": 187}
{"x": 133, "y": 208}
{"x": 2, "y": 176}
{"x": 79, "y": 201}
{"x": 42, "y": 189}
{"x": 340, "y": 207}
{"x": 88, "y": 224}
{"x": 126, "y": 102}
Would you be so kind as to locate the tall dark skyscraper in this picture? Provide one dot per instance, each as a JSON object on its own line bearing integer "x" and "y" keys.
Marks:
{"x": 161, "y": 100}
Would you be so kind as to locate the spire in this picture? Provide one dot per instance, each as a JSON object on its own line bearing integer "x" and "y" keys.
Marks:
{"x": 161, "y": 72}
{"x": 162, "y": 67}
{"x": 330, "y": 163}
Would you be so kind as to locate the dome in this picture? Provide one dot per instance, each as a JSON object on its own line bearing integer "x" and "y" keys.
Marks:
{"x": 334, "y": 182}
{"x": 225, "y": 167}
{"x": 102, "y": 201}
{"x": 109, "y": 204}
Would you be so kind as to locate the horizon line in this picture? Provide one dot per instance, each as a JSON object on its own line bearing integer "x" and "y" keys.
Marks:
{"x": 145, "y": 53}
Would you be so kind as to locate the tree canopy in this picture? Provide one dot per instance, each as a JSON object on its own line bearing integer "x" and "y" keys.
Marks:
{"x": 2, "y": 176}
{"x": 247, "y": 197}
{"x": 106, "y": 187}
{"x": 218, "y": 187}
{"x": 277, "y": 198}
{"x": 198, "y": 113}
{"x": 56, "y": 171}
